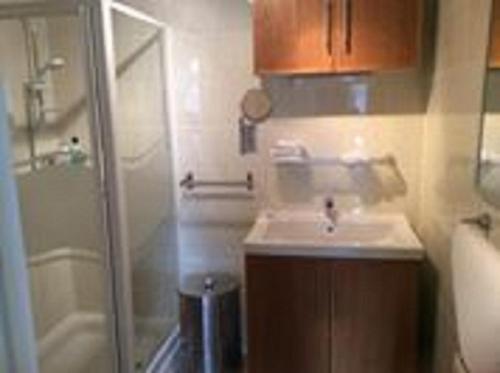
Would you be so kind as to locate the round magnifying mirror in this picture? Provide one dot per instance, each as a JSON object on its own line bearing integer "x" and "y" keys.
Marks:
{"x": 256, "y": 105}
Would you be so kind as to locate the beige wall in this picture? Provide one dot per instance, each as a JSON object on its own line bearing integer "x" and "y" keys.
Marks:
{"x": 490, "y": 147}
{"x": 452, "y": 126}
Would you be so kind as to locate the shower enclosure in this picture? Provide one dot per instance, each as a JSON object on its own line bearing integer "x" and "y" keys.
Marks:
{"x": 91, "y": 158}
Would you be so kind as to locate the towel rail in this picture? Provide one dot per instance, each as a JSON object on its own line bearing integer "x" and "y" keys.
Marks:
{"x": 189, "y": 182}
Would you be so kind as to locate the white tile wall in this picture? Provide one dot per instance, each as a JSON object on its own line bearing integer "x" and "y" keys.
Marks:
{"x": 210, "y": 69}
{"x": 211, "y": 66}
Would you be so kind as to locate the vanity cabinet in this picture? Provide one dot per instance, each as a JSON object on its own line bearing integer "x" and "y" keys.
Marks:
{"x": 373, "y": 316}
{"x": 335, "y": 36}
{"x": 288, "y": 315}
{"x": 331, "y": 316}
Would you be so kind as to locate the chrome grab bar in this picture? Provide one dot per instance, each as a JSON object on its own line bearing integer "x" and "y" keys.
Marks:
{"x": 189, "y": 182}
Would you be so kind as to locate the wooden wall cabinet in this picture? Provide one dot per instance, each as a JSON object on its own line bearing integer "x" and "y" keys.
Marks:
{"x": 494, "y": 58}
{"x": 331, "y": 316}
{"x": 335, "y": 36}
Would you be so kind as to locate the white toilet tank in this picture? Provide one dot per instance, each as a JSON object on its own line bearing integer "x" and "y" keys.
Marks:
{"x": 476, "y": 285}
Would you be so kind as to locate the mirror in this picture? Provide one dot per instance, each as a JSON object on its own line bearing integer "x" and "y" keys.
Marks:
{"x": 489, "y": 165}
{"x": 256, "y": 106}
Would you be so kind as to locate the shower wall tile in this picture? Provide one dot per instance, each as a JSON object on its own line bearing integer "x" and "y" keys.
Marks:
{"x": 53, "y": 294}
{"x": 89, "y": 277}
{"x": 13, "y": 75}
{"x": 59, "y": 209}
{"x": 70, "y": 117}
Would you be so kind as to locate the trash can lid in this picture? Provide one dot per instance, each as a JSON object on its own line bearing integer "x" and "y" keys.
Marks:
{"x": 213, "y": 283}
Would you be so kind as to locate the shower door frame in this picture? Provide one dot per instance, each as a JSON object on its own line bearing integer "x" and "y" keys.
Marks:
{"x": 103, "y": 87}
{"x": 98, "y": 39}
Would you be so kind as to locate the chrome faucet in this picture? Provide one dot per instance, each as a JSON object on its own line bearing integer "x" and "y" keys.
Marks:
{"x": 331, "y": 211}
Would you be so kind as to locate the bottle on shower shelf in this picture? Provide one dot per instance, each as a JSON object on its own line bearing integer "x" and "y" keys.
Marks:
{"x": 76, "y": 152}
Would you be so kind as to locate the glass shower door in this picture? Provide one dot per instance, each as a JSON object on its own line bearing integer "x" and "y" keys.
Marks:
{"x": 143, "y": 150}
{"x": 57, "y": 180}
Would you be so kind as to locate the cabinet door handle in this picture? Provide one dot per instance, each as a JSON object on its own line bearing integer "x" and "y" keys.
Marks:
{"x": 333, "y": 316}
{"x": 329, "y": 25}
{"x": 348, "y": 26}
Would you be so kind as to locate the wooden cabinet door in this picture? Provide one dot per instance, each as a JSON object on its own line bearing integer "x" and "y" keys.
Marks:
{"x": 374, "y": 322}
{"x": 293, "y": 36}
{"x": 495, "y": 36}
{"x": 288, "y": 315}
{"x": 378, "y": 35}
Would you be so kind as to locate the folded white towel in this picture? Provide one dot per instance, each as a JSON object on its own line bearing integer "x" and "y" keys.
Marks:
{"x": 289, "y": 151}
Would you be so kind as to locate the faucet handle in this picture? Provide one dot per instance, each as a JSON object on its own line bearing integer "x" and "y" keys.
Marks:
{"x": 329, "y": 203}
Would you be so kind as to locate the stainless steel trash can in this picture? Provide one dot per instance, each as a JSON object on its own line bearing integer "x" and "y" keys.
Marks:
{"x": 210, "y": 323}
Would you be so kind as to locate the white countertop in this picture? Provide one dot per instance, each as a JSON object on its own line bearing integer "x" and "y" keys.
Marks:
{"x": 354, "y": 236}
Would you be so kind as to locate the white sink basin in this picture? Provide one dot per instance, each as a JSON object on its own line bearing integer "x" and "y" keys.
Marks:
{"x": 286, "y": 233}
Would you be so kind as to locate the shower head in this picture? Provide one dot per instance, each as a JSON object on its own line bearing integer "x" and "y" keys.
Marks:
{"x": 55, "y": 63}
